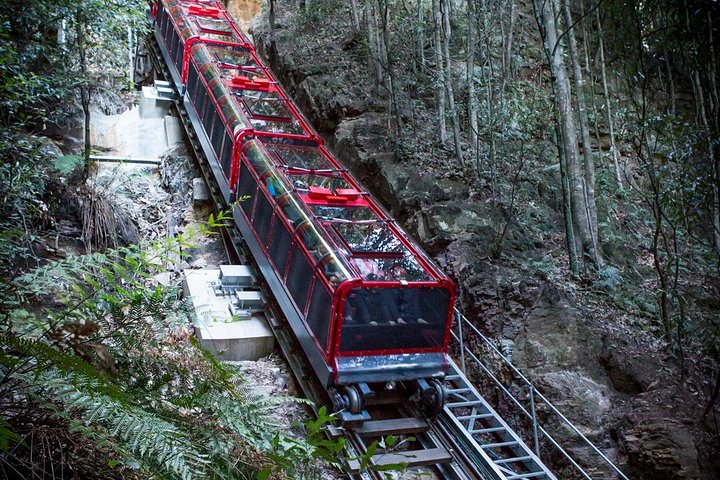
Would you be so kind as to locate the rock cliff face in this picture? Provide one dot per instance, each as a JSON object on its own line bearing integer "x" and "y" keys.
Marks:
{"x": 623, "y": 394}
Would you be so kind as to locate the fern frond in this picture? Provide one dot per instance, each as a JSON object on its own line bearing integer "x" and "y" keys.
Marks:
{"x": 162, "y": 445}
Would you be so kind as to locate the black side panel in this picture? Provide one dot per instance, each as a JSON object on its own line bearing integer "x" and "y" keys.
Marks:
{"x": 262, "y": 218}
{"x": 319, "y": 314}
{"x": 280, "y": 245}
{"x": 299, "y": 278}
{"x": 192, "y": 83}
{"x": 247, "y": 188}
{"x": 226, "y": 155}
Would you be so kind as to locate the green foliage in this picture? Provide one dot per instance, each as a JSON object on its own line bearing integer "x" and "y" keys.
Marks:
{"x": 22, "y": 188}
{"x": 91, "y": 347}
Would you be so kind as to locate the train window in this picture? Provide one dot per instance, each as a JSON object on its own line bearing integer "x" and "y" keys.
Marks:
{"x": 392, "y": 318}
{"x": 405, "y": 268}
{"x": 201, "y": 98}
{"x": 172, "y": 42}
{"x": 233, "y": 58}
{"x": 373, "y": 237}
{"x": 265, "y": 104}
{"x": 318, "y": 317}
{"x": 298, "y": 277}
{"x": 247, "y": 188}
{"x": 166, "y": 29}
{"x": 306, "y": 158}
{"x": 353, "y": 214}
{"x": 330, "y": 268}
{"x": 331, "y": 182}
{"x": 309, "y": 237}
{"x": 162, "y": 18}
{"x": 291, "y": 210}
{"x": 209, "y": 25}
{"x": 274, "y": 185}
{"x": 179, "y": 56}
{"x": 277, "y": 126}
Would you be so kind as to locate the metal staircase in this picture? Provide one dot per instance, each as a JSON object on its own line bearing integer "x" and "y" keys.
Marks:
{"x": 487, "y": 435}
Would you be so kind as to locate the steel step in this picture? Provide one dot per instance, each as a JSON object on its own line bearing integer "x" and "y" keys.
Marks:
{"x": 527, "y": 475}
{"x": 504, "y": 461}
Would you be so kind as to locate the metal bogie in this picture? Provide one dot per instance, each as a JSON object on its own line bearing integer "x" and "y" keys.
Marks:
{"x": 366, "y": 305}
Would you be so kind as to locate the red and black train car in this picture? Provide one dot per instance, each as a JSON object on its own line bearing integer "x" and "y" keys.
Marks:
{"x": 368, "y": 307}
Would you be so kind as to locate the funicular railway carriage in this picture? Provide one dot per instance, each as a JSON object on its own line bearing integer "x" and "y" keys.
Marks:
{"x": 366, "y": 304}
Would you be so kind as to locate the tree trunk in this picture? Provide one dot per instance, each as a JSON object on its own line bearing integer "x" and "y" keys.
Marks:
{"x": 508, "y": 42}
{"x": 608, "y": 108}
{"x": 571, "y": 244}
{"x": 439, "y": 68}
{"x": 546, "y": 14}
{"x": 84, "y": 84}
{"x": 355, "y": 15}
{"x": 470, "y": 69}
{"x": 373, "y": 42}
{"x": 394, "y": 107}
{"x": 588, "y": 162}
{"x": 449, "y": 83}
{"x": 421, "y": 35}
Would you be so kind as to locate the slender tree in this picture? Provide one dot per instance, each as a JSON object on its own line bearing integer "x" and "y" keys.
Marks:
{"x": 588, "y": 165}
{"x": 450, "y": 90}
{"x": 440, "y": 70}
{"x": 608, "y": 107}
{"x": 546, "y": 13}
{"x": 470, "y": 75}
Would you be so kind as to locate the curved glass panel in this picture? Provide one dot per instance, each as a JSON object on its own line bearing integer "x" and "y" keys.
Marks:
{"x": 332, "y": 183}
{"x": 265, "y": 104}
{"x": 405, "y": 268}
{"x": 257, "y": 157}
{"x": 277, "y": 127}
{"x": 232, "y": 58}
{"x": 373, "y": 237}
{"x": 328, "y": 213}
{"x": 306, "y": 158}
{"x": 211, "y": 25}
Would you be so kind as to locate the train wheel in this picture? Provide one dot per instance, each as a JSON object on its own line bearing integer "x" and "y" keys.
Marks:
{"x": 354, "y": 400}
{"x": 433, "y": 398}
{"x": 349, "y": 400}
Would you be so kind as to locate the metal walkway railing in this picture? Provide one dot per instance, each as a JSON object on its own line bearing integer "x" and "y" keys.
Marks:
{"x": 594, "y": 465}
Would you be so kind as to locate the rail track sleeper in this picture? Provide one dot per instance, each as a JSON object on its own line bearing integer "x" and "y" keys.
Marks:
{"x": 394, "y": 426}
